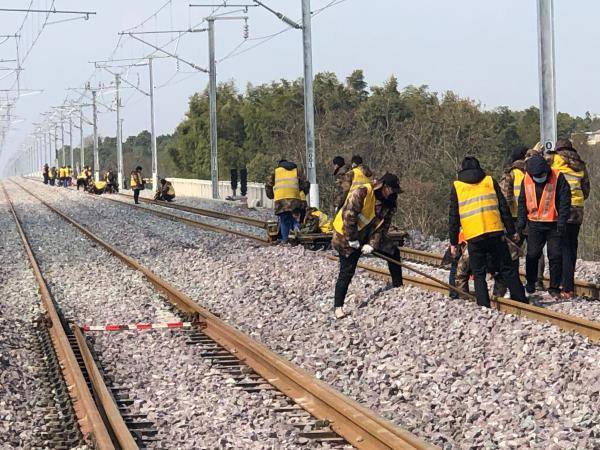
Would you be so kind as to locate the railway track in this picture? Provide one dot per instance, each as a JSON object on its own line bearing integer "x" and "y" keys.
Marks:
{"x": 582, "y": 288}
{"x": 588, "y": 328}
{"x": 329, "y": 415}
{"x": 97, "y": 413}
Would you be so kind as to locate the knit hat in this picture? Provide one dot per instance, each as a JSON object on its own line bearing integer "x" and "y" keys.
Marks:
{"x": 537, "y": 166}
{"x": 518, "y": 153}
{"x": 390, "y": 180}
{"x": 470, "y": 162}
{"x": 563, "y": 144}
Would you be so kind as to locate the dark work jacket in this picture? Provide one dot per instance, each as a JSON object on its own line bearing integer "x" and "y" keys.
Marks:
{"x": 473, "y": 176}
{"x": 562, "y": 203}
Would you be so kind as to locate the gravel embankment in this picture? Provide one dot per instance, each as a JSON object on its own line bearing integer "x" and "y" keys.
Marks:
{"x": 169, "y": 378}
{"x": 456, "y": 374}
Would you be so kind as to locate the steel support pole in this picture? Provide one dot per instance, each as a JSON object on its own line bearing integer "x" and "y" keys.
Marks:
{"x": 63, "y": 157}
{"x": 119, "y": 139}
{"x": 212, "y": 100}
{"x": 56, "y": 145}
{"x": 309, "y": 105}
{"x": 71, "y": 141}
{"x": 81, "y": 144}
{"x": 546, "y": 73}
{"x": 96, "y": 159}
{"x": 152, "y": 128}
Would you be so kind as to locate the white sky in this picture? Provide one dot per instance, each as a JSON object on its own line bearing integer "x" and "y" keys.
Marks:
{"x": 485, "y": 50}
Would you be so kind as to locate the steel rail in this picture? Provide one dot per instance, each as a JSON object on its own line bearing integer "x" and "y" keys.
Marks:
{"x": 91, "y": 423}
{"x": 588, "y": 328}
{"x": 355, "y": 423}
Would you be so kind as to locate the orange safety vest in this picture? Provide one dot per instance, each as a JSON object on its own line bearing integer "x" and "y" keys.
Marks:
{"x": 546, "y": 210}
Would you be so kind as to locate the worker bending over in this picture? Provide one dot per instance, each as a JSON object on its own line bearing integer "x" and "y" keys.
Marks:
{"x": 362, "y": 226}
{"x": 137, "y": 183}
{"x": 112, "y": 182}
{"x": 567, "y": 161}
{"x": 544, "y": 206}
{"x": 284, "y": 186}
{"x": 479, "y": 208}
{"x": 316, "y": 221}
{"x": 165, "y": 191}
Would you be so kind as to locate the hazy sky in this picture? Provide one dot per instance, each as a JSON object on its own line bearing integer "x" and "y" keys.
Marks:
{"x": 486, "y": 50}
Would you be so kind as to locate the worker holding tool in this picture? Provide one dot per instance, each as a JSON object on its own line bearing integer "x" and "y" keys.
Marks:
{"x": 478, "y": 206}
{"x": 362, "y": 226}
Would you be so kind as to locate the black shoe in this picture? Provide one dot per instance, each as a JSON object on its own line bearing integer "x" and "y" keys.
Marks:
{"x": 554, "y": 293}
{"x": 530, "y": 288}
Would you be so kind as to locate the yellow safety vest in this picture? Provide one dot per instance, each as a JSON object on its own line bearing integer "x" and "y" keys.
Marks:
{"x": 324, "y": 222}
{"x": 518, "y": 180}
{"x": 82, "y": 175}
{"x": 478, "y": 208}
{"x": 366, "y": 215}
{"x": 61, "y": 172}
{"x": 359, "y": 179}
{"x": 170, "y": 188}
{"x": 51, "y": 173}
{"x": 100, "y": 185}
{"x": 133, "y": 182}
{"x": 573, "y": 177}
{"x": 286, "y": 184}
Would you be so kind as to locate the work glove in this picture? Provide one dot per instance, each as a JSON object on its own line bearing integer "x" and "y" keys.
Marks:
{"x": 366, "y": 249}
{"x": 354, "y": 244}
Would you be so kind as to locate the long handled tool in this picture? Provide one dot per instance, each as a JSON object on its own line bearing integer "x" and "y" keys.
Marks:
{"x": 425, "y": 275}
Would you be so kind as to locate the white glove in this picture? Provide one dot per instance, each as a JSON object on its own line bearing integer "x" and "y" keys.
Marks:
{"x": 354, "y": 244}
{"x": 367, "y": 249}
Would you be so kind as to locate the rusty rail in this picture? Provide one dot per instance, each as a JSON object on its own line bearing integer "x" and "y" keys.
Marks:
{"x": 355, "y": 423}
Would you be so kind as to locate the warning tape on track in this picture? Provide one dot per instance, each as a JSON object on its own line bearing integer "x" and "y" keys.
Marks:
{"x": 137, "y": 326}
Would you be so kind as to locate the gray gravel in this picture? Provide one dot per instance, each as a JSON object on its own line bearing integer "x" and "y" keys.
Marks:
{"x": 456, "y": 374}
{"x": 167, "y": 376}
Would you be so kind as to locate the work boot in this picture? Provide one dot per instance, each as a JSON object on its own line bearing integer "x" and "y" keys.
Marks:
{"x": 339, "y": 312}
{"x": 555, "y": 293}
{"x": 530, "y": 288}
{"x": 539, "y": 285}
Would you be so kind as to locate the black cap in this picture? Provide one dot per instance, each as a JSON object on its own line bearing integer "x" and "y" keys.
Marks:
{"x": 390, "y": 180}
{"x": 138, "y": 168}
{"x": 518, "y": 153}
{"x": 537, "y": 166}
{"x": 470, "y": 162}
{"x": 339, "y": 161}
{"x": 357, "y": 159}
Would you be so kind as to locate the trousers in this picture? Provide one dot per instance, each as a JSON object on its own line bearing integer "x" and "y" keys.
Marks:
{"x": 570, "y": 242}
{"x": 348, "y": 268}
{"x": 286, "y": 224}
{"x": 136, "y": 196}
{"x": 539, "y": 236}
{"x": 494, "y": 249}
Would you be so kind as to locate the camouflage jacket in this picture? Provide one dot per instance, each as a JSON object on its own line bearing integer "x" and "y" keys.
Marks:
{"x": 345, "y": 184}
{"x": 508, "y": 179}
{"x": 340, "y": 191}
{"x": 575, "y": 162}
{"x": 287, "y": 204}
{"x": 375, "y": 234}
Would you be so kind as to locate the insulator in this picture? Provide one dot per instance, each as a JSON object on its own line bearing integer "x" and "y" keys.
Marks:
{"x": 246, "y": 30}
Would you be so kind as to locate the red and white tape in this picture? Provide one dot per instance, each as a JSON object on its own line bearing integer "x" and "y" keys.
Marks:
{"x": 137, "y": 326}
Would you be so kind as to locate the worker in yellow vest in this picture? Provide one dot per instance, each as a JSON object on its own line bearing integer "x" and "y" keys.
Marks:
{"x": 567, "y": 161}
{"x": 52, "y": 176}
{"x": 165, "y": 191}
{"x": 316, "y": 221}
{"x": 284, "y": 186}
{"x": 357, "y": 176}
{"x": 340, "y": 169}
{"x": 136, "y": 183}
{"x": 512, "y": 179}
{"x": 479, "y": 207}
{"x": 544, "y": 205}
{"x": 362, "y": 226}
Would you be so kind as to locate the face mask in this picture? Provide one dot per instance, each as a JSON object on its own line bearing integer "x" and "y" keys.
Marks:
{"x": 540, "y": 179}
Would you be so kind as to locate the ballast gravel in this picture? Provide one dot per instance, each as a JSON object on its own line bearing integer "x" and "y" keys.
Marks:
{"x": 192, "y": 404}
{"x": 455, "y": 374}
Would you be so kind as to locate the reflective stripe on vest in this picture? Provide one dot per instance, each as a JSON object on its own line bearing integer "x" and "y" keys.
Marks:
{"x": 359, "y": 179}
{"x": 286, "y": 184}
{"x": 478, "y": 208}
{"x": 518, "y": 176}
{"x": 573, "y": 177}
{"x": 546, "y": 210}
{"x": 366, "y": 215}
